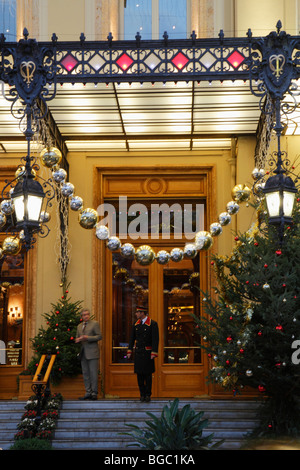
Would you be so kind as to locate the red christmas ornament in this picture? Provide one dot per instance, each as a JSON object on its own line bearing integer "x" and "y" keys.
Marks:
{"x": 242, "y": 351}
{"x": 261, "y": 388}
{"x": 265, "y": 266}
{"x": 228, "y": 339}
{"x": 259, "y": 333}
{"x": 227, "y": 362}
{"x": 256, "y": 244}
{"x": 278, "y": 252}
{"x": 279, "y": 328}
{"x": 71, "y": 338}
{"x": 236, "y": 238}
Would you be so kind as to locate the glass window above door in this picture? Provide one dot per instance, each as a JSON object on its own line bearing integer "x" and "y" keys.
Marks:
{"x": 151, "y": 18}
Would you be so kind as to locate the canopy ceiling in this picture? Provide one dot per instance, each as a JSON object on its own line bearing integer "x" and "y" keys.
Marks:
{"x": 147, "y": 117}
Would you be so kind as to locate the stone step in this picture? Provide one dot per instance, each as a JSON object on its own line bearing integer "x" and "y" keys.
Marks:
{"x": 102, "y": 424}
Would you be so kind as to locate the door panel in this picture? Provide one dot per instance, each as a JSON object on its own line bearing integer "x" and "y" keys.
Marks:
{"x": 171, "y": 293}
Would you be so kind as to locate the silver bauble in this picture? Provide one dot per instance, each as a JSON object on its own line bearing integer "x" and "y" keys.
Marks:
{"x": 7, "y": 207}
{"x": 76, "y": 203}
{"x": 45, "y": 217}
{"x": 256, "y": 174}
{"x": 232, "y": 207}
{"x": 88, "y": 218}
{"x": 127, "y": 250}
{"x": 224, "y": 218}
{"x": 190, "y": 251}
{"x": 50, "y": 156}
{"x": 59, "y": 175}
{"x": 163, "y": 257}
{"x": 203, "y": 240}
{"x": 144, "y": 255}
{"x": 249, "y": 373}
{"x": 67, "y": 189}
{"x": 2, "y": 219}
{"x": 215, "y": 229}
{"x": 102, "y": 232}
{"x": 113, "y": 243}
{"x": 176, "y": 254}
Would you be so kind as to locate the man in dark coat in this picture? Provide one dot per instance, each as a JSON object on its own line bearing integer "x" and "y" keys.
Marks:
{"x": 144, "y": 337}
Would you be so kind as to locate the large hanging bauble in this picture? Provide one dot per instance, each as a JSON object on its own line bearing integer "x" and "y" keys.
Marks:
{"x": 163, "y": 257}
{"x": 113, "y": 243}
{"x": 241, "y": 193}
{"x": 215, "y": 229}
{"x": 88, "y": 218}
{"x": 11, "y": 246}
{"x": 203, "y": 240}
{"x": 144, "y": 255}
{"x": 67, "y": 189}
{"x": 190, "y": 251}
{"x": 102, "y": 232}
{"x": 2, "y": 219}
{"x": 232, "y": 207}
{"x": 76, "y": 203}
{"x": 50, "y": 156}
{"x": 176, "y": 254}
{"x": 127, "y": 250}
{"x": 224, "y": 218}
{"x": 59, "y": 175}
{"x": 7, "y": 207}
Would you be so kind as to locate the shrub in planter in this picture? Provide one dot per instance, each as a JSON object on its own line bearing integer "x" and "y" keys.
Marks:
{"x": 175, "y": 429}
{"x": 32, "y": 444}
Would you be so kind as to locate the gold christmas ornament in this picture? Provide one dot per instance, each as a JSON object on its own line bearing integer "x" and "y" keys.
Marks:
{"x": 50, "y": 156}
{"x": 241, "y": 193}
{"x": 21, "y": 171}
{"x": 88, "y": 218}
{"x": 203, "y": 240}
{"x": 145, "y": 255}
{"x": 11, "y": 246}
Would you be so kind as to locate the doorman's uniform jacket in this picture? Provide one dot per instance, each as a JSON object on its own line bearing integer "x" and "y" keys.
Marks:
{"x": 145, "y": 338}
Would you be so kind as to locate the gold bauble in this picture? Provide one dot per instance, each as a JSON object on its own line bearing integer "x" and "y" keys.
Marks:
{"x": 241, "y": 193}
{"x": 203, "y": 240}
{"x": 88, "y": 218}
{"x": 144, "y": 255}
{"x": 20, "y": 172}
{"x": 11, "y": 246}
{"x": 50, "y": 156}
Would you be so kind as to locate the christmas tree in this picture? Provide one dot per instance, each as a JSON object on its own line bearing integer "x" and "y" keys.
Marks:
{"x": 252, "y": 322}
{"x": 58, "y": 337}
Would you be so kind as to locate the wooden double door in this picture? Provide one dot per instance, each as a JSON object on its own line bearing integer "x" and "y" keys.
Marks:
{"x": 171, "y": 293}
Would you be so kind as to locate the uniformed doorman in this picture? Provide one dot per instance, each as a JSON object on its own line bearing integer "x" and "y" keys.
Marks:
{"x": 144, "y": 337}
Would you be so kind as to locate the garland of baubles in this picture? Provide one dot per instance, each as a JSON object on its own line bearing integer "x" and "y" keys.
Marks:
{"x": 89, "y": 219}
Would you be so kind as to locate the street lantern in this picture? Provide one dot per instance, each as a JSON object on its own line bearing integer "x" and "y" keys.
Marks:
{"x": 27, "y": 197}
{"x": 280, "y": 192}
